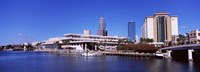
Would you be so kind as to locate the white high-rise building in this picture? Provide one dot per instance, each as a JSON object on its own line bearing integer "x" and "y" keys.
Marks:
{"x": 160, "y": 27}
{"x": 174, "y": 22}
{"x": 147, "y": 28}
{"x": 86, "y": 32}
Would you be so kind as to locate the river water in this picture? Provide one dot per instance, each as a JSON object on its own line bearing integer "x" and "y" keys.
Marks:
{"x": 46, "y": 62}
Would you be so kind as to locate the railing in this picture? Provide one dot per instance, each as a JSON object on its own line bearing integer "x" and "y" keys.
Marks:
{"x": 63, "y": 51}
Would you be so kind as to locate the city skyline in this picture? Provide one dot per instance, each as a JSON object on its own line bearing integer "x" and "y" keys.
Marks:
{"x": 37, "y": 20}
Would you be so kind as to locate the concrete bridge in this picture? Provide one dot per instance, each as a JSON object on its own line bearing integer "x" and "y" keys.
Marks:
{"x": 184, "y": 51}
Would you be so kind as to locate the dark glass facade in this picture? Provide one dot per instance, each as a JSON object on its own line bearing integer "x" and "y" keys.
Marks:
{"x": 161, "y": 31}
{"x": 102, "y": 32}
{"x": 131, "y": 31}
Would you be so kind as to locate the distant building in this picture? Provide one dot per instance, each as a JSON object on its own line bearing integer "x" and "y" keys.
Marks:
{"x": 174, "y": 40}
{"x": 131, "y": 31}
{"x": 86, "y": 32}
{"x": 194, "y": 36}
{"x": 136, "y": 39}
{"x": 102, "y": 28}
{"x": 160, "y": 27}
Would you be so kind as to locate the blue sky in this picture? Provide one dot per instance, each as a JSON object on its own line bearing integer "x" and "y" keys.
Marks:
{"x": 37, "y": 20}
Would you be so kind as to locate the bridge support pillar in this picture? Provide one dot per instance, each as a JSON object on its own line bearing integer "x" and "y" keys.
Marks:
{"x": 169, "y": 53}
{"x": 85, "y": 47}
{"x": 95, "y": 47}
{"x": 190, "y": 54}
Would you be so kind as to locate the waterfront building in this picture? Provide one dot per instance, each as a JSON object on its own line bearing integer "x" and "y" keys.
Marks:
{"x": 160, "y": 27}
{"x": 82, "y": 42}
{"x": 194, "y": 36}
{"x": 174, "y": 41}
{"x": 131, "y": 31}
{"x": 102, "y": 27}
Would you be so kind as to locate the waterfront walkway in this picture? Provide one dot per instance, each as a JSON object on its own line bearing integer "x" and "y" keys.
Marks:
{"x": 116, "y": 53}
{"x": 129, "y": 54}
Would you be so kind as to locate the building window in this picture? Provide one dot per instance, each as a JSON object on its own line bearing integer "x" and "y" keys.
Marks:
{"x": 190, "y": 35}
{"x": 194, "y": 34}
{"x": 198, "y": 34}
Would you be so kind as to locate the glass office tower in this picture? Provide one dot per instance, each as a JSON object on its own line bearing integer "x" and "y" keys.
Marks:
{"x": 131, "y": 31}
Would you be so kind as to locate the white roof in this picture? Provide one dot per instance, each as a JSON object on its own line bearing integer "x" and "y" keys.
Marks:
{"x": 94, "y": 36}
{"x": 57, "y": 38}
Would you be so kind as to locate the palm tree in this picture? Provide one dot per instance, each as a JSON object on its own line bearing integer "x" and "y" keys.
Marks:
{"x": 151, "y": 40}
{"x": 146, "y": 40}
{"x": 142, "y": 40}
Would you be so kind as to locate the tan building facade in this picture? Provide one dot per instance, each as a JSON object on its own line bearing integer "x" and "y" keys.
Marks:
{"x": 160, "y": 27}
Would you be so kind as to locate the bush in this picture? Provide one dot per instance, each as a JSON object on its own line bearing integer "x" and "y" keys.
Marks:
{"x": 138, "y": 48}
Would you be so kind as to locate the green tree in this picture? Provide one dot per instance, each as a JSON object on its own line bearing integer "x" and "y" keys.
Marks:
{"x": 146, "y": 40}
{"x": 181, "y": 40}
{"x": 120, "y": 41}
{"x": 151, "y": 40}
{"x": 146, "y": 48}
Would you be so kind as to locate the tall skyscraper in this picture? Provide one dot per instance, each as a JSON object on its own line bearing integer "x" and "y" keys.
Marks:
{"x": 102, "y": 28}
{"x": 131, "y": 31}
{"x": 160, "y": 27}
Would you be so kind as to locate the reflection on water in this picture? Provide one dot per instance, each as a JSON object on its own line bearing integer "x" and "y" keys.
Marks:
{"x": 45, "y": 62}
{"x": 190, "y": 63}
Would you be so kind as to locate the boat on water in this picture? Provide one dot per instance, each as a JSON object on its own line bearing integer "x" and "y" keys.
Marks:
{"x": 9, "y": 50}
{"x": 89, "y": 54}
{"x": 160, "y": 55}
